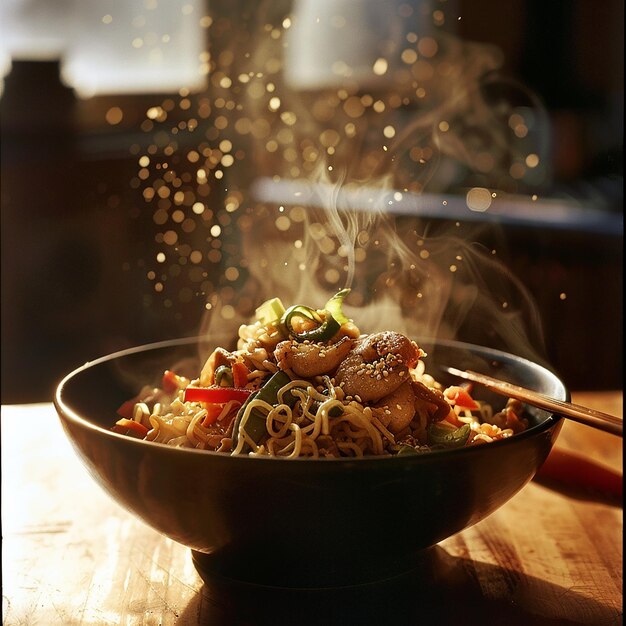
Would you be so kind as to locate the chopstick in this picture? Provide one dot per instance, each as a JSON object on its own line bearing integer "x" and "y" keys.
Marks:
{"x": 576, "y": 412}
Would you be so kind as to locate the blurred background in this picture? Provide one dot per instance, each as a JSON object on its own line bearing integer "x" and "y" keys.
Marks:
{"x": 133, "y": 132}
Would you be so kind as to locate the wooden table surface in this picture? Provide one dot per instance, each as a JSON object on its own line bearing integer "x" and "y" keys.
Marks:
{"x": 71, "y": 555}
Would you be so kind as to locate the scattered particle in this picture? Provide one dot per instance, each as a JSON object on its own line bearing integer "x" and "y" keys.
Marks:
{"x": 231, "y": 273}
{"x": 532, "y": 160}
{"x": 409, "y": 56}
{"x": 478, "y": 199}
{"x": 228, "y": 312}
{"x": 114, "y": 116}
{"x": 282, "y": 223}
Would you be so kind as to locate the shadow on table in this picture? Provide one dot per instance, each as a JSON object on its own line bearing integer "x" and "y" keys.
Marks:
{"x": 441, "y": 589}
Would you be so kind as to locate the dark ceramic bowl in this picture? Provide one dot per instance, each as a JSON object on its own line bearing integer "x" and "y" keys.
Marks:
{"x": 301, "y": 523}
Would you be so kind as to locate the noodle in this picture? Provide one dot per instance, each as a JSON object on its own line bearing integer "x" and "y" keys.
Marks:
{"x": 291, "y": 391}
{"x": 194, "y": 435}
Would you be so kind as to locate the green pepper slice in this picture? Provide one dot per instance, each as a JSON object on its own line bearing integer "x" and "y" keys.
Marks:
{"x": 334, "y": 305}
{"x": 448, "y": 438}
{"x": 224, "y": 376}
{"x": 406, "y": 450}
{"x": 325, "y": 331}
{"x": 336, "y": 411}
{"x": 256, "y": 424}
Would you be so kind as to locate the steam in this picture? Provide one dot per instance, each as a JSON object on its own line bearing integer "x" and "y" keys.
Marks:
{"x": 436, "y": 116}
{"x": 403, "y": 277}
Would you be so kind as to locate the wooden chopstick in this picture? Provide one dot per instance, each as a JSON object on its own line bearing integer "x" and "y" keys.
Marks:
{"x": 576, "y": 412}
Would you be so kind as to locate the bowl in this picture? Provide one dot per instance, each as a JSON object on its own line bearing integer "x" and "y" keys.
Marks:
{"x": 304, "y": 523}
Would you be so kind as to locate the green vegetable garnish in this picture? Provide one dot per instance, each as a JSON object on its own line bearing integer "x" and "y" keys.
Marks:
{"x": 256, "y": 423}
{"x": 335, "y": 411}
{"x": 224, "y": 376}
{"x": 270, "y": 311}
{"x": 325, "y": 331}
{"x": 334, "y": 305}
{"x": 447, "y": 437}
{"x": 406, "y": 450}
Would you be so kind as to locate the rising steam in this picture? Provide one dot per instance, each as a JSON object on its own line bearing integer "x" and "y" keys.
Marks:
{"x": 428, "y": 113}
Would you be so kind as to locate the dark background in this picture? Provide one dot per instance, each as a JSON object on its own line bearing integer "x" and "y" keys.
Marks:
{"x": 73, "y": 240}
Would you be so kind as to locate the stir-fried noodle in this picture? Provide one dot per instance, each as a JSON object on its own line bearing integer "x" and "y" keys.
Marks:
{"x": 306, "y": 383}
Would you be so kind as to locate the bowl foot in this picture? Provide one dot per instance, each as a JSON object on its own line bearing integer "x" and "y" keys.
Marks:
{"x": 438, "y": 590}
{"x": 214, "y": 571}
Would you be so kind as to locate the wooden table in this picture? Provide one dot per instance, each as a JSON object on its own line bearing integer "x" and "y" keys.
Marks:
{"x": 72, "y": 556}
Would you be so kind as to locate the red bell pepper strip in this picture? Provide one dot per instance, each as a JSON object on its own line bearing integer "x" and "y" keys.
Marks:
{"x": 213, "y": 411}
{"x": 127, "y": 408}
{"x": 240, "y": 374}
{"x": 461, "y": 398}
{"x": 169, "y": 383}
{"x": 215, "y": 395}
{"x": 130, "y": 427}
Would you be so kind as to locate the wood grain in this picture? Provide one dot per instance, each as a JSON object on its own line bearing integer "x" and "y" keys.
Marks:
{"x": 72, "y": 556}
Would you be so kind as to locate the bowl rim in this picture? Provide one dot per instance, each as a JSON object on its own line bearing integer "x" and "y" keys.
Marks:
{"x": 66, "y": 412}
